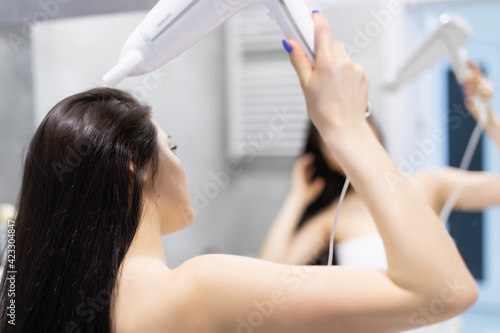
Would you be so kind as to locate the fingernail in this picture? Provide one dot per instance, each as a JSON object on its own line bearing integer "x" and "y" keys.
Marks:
{"x": 287, "y": 46}
{"x": 315, "y": 11}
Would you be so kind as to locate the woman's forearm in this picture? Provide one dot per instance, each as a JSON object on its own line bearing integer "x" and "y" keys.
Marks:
{"x": 420, "y": 253}
{"x": 280, "y": 235}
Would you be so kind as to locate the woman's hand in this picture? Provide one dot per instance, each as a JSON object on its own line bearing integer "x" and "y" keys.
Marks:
{"x": 304, "y": 188}
{"x": 279, "y": 240}
{"x": 336, "y": 89}
{"x": 477, "y": 86}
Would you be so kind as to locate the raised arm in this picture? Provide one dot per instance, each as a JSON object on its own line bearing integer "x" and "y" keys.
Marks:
{"x": 281, "y": 244}
{"x": 480, "y": 190}
{"x": 478, "y": 86}
{"x": 426, "y": 281}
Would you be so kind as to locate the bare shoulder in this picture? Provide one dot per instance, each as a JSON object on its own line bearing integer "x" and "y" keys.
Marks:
{"x": 152, "y": 298}
{"x": 213, "y": 269}
{"x": 429, "y": 179}
{"x": 431, "y": 183}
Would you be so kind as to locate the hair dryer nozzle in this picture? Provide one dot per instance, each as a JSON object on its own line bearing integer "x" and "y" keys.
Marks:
{"x": 447, "y": 39}
{"x": 126, "y": 66}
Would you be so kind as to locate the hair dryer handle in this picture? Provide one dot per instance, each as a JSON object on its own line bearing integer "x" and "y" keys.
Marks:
{"x": 459, "y": 58}
{"x": 295, "y": 20}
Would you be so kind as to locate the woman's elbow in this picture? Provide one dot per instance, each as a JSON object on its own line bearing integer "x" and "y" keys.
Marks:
{"x": 471, "y": 296}
{"x": 459, "y": 295}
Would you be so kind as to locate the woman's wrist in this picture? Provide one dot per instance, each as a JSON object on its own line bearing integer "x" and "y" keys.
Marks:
{"x": 340, "y": 140}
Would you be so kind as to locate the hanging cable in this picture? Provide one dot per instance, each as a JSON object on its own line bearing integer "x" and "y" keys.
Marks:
{"x": 368, "y": 113}
{"x": 466, "y": 160}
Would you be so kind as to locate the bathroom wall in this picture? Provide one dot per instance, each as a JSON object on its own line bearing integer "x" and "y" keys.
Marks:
{"x": 16, "y": 110}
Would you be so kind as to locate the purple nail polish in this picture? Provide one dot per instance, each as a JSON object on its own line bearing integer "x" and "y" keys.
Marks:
{"x": 315, "y": 11}
{"x": 287, "y": 46}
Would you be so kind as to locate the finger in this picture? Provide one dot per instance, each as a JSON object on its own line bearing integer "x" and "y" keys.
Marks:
{"x": 319, "y": 184}
{"x": 485, "y": 88}
{"x": 340, "y": 51}
{"x": 324, "y": 38}
{"x": 303, "y": 162}
{"x": 300, "y": 62}
{"x": 309, "y": 166}
{"x": 308, "y": 158}
{"x": 364, "y": 82}
{"x": 359, "y": 71}
{"x": 475, "y": 68}
{"x": 309, "y": 173}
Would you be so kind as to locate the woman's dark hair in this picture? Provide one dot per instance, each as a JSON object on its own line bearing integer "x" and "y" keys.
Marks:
{"x": 334, "y": 182}
{"x": 79, "y": 209}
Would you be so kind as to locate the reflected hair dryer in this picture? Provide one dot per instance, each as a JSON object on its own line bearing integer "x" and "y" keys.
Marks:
{"x": 173, "y": 26}
{"x": 447, "y": 39}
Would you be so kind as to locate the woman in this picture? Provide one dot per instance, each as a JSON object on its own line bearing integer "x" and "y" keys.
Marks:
{"x": 301, "y": 233}
{"x": 88, "y": 237}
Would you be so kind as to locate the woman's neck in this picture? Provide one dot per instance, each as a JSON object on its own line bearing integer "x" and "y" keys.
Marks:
{"x": 147, "y": 241}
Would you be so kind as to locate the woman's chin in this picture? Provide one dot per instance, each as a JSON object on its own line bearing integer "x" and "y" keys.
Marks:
{"x": 189, "y": 215}
{"x": 184, "y": 219}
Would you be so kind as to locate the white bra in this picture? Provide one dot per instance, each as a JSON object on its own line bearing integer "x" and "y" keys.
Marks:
{"x": 364, "y": 251}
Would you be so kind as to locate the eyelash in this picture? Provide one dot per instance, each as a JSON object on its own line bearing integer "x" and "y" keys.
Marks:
{"x": 174, "y": 148}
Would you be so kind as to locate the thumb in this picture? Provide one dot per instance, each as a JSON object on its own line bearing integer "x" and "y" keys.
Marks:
{"x": 299, "y": 60}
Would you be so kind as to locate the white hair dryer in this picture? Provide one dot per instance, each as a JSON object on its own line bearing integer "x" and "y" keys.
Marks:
{"x": 447, "y": 39}
{"x": 173, "y": 26}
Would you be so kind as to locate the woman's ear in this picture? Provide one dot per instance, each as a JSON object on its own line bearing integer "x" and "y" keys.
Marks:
{"x": 131, "y": 167}
{"x": 146, "y": 177}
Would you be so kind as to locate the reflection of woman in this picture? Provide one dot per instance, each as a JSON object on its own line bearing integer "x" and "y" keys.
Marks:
{"x": 89, "y": 249}
{"x": 301, "y": 232}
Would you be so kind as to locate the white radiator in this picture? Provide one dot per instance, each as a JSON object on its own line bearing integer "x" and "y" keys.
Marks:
{"x": 266, "y": 107}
